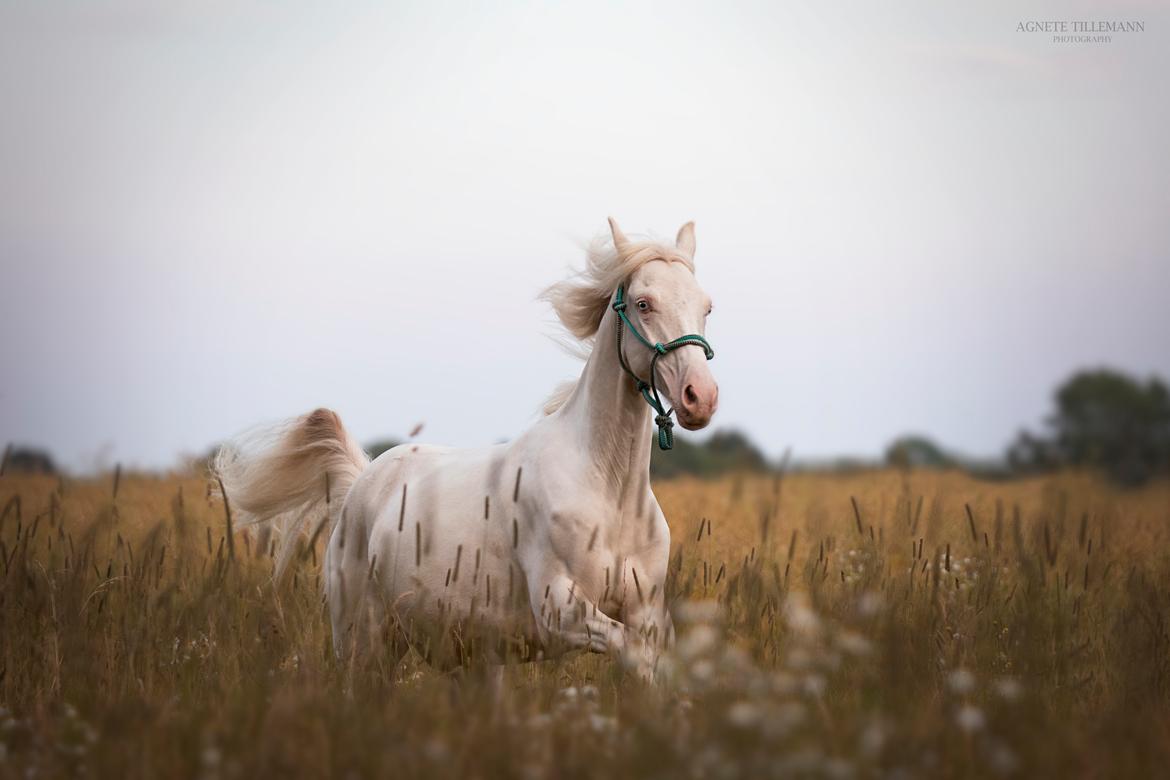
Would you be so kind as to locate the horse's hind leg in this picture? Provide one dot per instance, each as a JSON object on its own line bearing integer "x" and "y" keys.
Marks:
{"x": 364, "y": 631}
{"x": 387, "y": 639}
{"x": 345, "y": 591}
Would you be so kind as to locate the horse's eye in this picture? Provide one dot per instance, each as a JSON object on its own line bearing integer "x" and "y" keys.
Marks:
{"x": 643, "y": 305}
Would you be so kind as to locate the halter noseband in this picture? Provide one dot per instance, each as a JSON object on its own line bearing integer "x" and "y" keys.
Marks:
{"x": 650, "y": 390}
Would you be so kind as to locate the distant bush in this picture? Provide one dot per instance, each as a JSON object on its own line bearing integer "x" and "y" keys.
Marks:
{"x": 27, "y": 460}
{"x": 376, "y": 448}
{"x": 917, "y": 452}
{"x": 724, "y": 451}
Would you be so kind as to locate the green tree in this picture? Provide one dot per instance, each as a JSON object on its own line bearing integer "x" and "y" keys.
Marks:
{"x": 1108, "y": 420}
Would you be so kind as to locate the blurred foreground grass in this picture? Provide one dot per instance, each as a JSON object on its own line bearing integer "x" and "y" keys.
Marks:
{"x": 877, "y": 624}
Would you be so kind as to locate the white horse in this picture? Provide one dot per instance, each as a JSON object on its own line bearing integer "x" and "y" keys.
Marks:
{"x": 548, "y": 543}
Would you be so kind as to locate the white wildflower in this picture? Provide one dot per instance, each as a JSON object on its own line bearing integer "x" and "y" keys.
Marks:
{"x": 873, "y": 739}
{"x": 703, "y": 670}
{"x": 211, "y": 757}
{"x": 697, "y": 612}
{"x": 602, "y": 724}
{"x": 801, "y": 617}
{"x": 853, "y": 643}
{"x": 870, "y": 603}
{"x": 970, "y": 718}
{"x": 814, "y": 685}
{"x": 743, "y": 714}
{"x": 961, "y": 681}
{"x": 1008, "y": 688}
{"x": 698, "y": 641}
{"x": 436, "y": 750}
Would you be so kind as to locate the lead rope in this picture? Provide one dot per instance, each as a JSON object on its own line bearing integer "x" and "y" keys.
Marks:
{"x": 649, "y": 390}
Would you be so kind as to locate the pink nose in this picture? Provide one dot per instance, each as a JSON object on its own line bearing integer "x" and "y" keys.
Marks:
{"x": 699, "y": 401}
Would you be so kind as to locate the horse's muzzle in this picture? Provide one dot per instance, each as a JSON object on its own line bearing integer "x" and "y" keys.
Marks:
{"x": 697, "y": 404}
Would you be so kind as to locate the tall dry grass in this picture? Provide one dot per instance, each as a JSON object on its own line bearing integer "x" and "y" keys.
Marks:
{"x": 903, "y": 624}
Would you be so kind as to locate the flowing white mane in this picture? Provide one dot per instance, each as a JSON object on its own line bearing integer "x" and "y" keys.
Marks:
{"x": 581, "y": 300}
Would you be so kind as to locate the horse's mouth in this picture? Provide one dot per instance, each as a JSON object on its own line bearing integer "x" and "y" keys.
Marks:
{"x": 692, "y": 423}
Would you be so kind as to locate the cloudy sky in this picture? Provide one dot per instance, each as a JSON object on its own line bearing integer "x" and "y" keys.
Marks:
{"x": 220, "y": 213}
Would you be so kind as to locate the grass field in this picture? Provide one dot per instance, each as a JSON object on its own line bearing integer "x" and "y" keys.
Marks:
{"x": 874, "y": 624}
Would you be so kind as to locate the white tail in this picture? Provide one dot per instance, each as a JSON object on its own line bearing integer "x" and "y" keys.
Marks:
{"x": 290, "y": 474}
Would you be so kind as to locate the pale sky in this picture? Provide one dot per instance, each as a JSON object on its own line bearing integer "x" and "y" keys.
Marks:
{"x": 223, "y": 213}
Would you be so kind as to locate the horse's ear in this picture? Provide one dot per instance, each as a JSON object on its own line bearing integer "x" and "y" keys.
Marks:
{"x": 619, "y": 238}
{"x": 686, "y": 240}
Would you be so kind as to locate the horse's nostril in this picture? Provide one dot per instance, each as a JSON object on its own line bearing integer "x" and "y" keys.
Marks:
{"x": 690, "y": 394}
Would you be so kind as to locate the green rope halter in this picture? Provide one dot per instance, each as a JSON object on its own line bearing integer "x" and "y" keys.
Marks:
{"x": 649, "y": 389}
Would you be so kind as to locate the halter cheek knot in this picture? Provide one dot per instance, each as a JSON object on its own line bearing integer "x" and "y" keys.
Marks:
{"x": 649, "y": 390}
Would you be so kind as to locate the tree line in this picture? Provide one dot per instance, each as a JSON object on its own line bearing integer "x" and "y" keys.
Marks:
{"x": 1101, "y": 419}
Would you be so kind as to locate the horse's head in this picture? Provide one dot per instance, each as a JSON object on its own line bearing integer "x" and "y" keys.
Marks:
{"x": 664, "y": 301}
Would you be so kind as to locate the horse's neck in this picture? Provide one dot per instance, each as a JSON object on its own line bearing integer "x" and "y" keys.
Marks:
{"x": 611, "y": 417}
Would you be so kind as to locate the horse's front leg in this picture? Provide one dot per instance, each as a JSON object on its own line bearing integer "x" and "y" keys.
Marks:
{"x": 649, "y": 633}
{"x": 568, "y": 620}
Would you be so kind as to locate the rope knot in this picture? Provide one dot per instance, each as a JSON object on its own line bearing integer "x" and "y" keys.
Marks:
{"x": 619, "y": 305}
{"x": 660, "y": 348}
{"x": 665, "y": 431}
